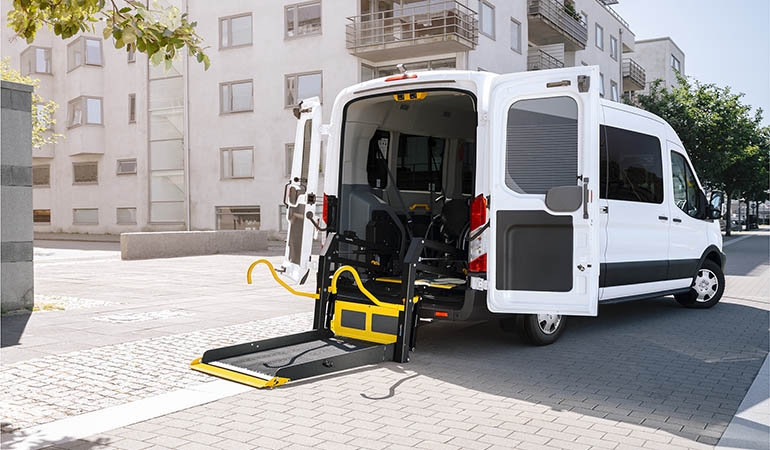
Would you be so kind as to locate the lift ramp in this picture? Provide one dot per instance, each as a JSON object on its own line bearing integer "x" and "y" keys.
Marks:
{"x": 273, "y": 362}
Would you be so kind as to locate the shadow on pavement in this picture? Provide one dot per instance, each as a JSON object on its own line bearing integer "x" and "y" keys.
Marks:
{"x": 12, "y": 327}
{"x": 651, "y": 363}
{"x": 11, "y": 441}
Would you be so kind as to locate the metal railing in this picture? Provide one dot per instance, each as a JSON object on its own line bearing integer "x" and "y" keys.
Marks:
{"x": 555, "y": 12}
{"x": 540, "y": 60}
{"x": 632, "y": 70}
{"x": 606, "y": 5}
{"x": 447, "y": 19}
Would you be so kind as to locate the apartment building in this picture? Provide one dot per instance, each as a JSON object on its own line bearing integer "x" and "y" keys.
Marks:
{"x": 661, "y": 58}
{"x": 152, "y": 150}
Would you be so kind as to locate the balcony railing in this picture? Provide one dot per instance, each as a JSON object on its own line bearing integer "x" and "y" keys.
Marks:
{"x": 556, "y": 17}
{"x": 431, "y": 27}
{"x": 634, "y": 76}
{"x": 540, "y": 60}
{"x": 606, "y": 4}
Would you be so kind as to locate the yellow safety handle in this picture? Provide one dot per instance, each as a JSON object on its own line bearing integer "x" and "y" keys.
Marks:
{"x": 369, "y": 295}
{"x": 419, "y": 205}
{"x": 280, "y": 281}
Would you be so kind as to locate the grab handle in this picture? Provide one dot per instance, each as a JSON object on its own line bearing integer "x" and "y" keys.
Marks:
{"x": 280, "y": 281}
{"x": 369, "y": 295}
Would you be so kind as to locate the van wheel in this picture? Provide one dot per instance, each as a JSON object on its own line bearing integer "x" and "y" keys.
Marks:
{"x": 541, "y": 329}
{"x": 707, "y": 289}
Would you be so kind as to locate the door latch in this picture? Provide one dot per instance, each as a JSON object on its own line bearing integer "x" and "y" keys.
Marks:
{"x": 581, "y": 268}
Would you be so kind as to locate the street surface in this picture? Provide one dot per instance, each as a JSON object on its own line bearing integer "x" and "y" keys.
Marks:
{"x": 646, "y": 374}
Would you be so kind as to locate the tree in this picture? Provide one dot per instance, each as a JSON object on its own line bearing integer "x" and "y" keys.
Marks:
{"x": 158, "y": 31}
{"x": 722, "y": 137}
{"x": 42, "y": 110}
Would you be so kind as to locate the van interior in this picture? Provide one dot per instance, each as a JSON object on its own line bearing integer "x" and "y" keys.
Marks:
{"x": 408, "y": 172}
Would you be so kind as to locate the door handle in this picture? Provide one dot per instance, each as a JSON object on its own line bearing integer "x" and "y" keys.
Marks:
{"x": 677, "y": 220}
{"x": 662, "y": 217}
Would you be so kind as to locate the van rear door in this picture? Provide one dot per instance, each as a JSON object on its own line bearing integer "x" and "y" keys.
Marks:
{"x": 544, "y": 178}
{"x": 300, "y": 193}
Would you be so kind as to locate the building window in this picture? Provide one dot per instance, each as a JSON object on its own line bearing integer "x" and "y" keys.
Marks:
{"x": 515, "y": 35}
{"x": 125, "y": 216}
{"x": 367, "y": 73}
{"x": 84, "y": 110}
{"x": 236, "y": 96}
{"x": 237, "y": 217}
{"x": 601, "y": 84}
{"x": 541, "y": 145}
{"x": 131, "y": 53}
{"x": 126, "y": 166}
{"x": 302, "y": 86}
{"x": 583, "y": 17}
{"x": 675, "y": 64}
{"x": 236, "y": 162}
{"x": 36, "y": 60}
{"x": 599, "y": 37}
{"x": 303, "y": 19}
{"x": 41, "y": 176}
{"x": 131, "y": 108}
{"x": 487, "y": 19}
{"x": 613, "y": 91}
{"x": 42, "y": 216}
{"x": 613, "y": 48}
{"x": 84, "y": 51}
{"x": 85, "y": 216}
{"x": 289, "y": 156}
{"x": 631, "y": 166}
{"x": 85, "y": 173}
{"x": 235, "y": 31}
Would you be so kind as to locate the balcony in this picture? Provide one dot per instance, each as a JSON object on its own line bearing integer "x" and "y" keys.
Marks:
{"x": 540, "y": 60}
{"x": 633, "y": 75}
{"x": 550, "y": 23}
{"x": 434, "y": 27}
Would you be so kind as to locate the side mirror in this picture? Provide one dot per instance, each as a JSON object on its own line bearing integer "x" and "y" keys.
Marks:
{"x": 715, "y": 205}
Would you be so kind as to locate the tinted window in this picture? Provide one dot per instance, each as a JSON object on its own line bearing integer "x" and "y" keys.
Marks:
{"x": 631, "y": 166}
{"x": 685, "y": 186}
{"x": 420, "y": 163}
{"x": 541, "y": 145}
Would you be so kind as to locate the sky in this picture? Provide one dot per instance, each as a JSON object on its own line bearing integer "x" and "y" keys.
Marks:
{"x": 726, "y": 42}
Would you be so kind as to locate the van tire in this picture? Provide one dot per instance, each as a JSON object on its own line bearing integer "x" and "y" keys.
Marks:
{"x": 541, "y": 329}
{"x": 711, "y": 286}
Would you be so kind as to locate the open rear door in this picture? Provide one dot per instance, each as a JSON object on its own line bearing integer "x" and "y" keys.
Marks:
{"x": 544, "y": 209}
{"x": 300, "y": 193}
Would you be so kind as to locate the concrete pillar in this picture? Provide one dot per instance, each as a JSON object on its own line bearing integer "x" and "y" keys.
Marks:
{"x": 16, "y": 271}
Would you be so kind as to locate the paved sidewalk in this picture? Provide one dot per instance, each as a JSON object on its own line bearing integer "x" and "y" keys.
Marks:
{"x": 642, "y": 374}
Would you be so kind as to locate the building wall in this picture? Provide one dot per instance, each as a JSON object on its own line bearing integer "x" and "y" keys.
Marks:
{"x": 655, "y": 56}
{"x": 267, "y": 128}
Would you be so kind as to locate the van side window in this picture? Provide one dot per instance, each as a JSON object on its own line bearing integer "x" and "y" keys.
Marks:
{"x": 420, "y": 163}
{"x": 377, "y": 160}
{"x": 685, "y": 186}
{"x": 541, "y": 145}
{"x": 631, "y": 166}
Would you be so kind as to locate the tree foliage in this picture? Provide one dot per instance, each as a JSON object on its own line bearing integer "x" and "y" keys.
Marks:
{"x": 42, "y": 109}
{"x": 725, "y": 141}
{"x": 159, "y": 31}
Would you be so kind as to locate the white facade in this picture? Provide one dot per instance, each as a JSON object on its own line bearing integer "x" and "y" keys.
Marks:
{"x": 197, "y": 153}
{"x": 660, "y": 57}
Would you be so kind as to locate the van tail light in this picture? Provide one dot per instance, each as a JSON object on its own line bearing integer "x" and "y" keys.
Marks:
{"x": 401, "y": 77}
{"x": 326, "y": 210}
{"x": 477, "y": 250}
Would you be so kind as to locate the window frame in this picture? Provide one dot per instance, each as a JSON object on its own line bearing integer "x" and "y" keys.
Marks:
{"x": 229, "y": 20}
{"x": 678, "y": 65}
{"x": 74, "y": 222}
{"x": 481, "y": 15}
{"x": 613, "y": 47}
{"x": 117, "y": 216}
{"x": 602, "y": 92}
{"x": 85, "y": 163}
{"x": 296, "y": 7}
{"x": 614, "y": 94}
{"x": 83, "y": 99}
{"x": 517, "y": 23}
{"x": 217, "y": 208}
{"x": 123, "y": 160}
{"x": 229, "y": 150}
{"x": 598, "y": 27}
{"x": 81, "y": 40}
{"x": 230, "y": 100}
{"x": 39, "y": 166}
{"x": 289, "y": 156}
{"x": 132, "y": 108}
{"x": 296, "y": 84}
{"x": 34, "y": 48}
{"x": 34, "y": 222}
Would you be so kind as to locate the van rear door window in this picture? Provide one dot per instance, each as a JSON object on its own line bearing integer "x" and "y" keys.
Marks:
{"x": 420, "y": 163}
{"x": 541, "y": 145}
{"x": 631, "y": 166}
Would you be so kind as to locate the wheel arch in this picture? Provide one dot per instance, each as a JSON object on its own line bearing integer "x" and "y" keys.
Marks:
{"x": 712, "y": 253}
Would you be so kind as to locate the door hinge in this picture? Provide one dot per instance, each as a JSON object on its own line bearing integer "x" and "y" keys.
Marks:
{"x": 604, "y": 209}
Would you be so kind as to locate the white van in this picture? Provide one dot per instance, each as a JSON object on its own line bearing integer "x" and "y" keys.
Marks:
{"x": 521, "y": 194}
